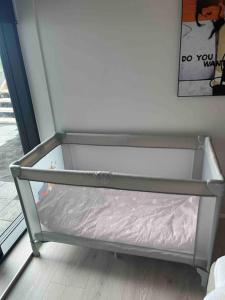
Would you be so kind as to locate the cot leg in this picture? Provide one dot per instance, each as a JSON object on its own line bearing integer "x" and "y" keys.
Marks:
{"x": 204, "y": 277}
{"x": 35, "y": 248}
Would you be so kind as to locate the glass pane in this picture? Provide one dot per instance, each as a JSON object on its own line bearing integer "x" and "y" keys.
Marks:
{"x": 10, "y": 150}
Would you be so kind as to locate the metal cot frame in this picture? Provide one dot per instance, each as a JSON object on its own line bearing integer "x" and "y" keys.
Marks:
{"x": 23, "y": 173}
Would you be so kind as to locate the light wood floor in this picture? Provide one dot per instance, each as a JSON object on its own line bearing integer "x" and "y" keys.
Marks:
{"x": 69, "y": 272}
{"x": 10, "y": 266}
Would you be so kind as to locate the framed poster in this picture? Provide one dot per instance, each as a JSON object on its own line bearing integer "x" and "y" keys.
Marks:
{"x": 202, "y": 50}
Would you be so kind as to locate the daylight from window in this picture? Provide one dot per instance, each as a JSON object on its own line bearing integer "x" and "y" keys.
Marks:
{"x": 10, "y": 150}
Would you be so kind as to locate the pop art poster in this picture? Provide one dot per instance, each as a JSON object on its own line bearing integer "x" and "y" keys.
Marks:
{"x": 202, "y": 53}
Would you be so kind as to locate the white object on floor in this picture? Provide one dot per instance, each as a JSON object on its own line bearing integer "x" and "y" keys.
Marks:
{"x": 219, "y": 272}
{"x": 216, "y": 284}
{"x": 217, "y": 294}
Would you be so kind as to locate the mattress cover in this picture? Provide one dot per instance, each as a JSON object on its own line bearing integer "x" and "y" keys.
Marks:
{"x": 160, "y": 221}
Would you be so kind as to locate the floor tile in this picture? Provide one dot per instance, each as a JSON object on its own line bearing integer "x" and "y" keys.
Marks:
{"x": 11, "y": 211}
{"x": 7, "y": 190}
{"x": 4, "y": 225}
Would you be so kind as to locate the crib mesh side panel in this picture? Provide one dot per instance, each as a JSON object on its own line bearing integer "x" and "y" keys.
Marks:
{"x": 53, "y": 160}
{"x": 29, "y": 206}
{"x": 159, "y": 221}
{"x": 204, "y": 240}
{"x": 149, "y": 162}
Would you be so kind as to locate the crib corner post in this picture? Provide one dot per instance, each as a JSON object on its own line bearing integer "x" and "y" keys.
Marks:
{"x": 35, "y": 245}
{"x": 204, "y": 277}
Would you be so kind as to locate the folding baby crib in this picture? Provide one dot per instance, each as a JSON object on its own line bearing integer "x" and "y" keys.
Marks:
{"x": 154, "y": 196}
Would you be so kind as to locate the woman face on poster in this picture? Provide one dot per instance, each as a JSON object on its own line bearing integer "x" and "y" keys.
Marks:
{"x": 211, "y": 10}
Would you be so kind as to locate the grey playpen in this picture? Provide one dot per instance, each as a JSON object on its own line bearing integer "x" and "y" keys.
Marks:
{"x": 147, "y": 195}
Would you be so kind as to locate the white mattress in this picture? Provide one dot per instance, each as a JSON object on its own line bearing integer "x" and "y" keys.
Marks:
{"x": 161, "y": 221}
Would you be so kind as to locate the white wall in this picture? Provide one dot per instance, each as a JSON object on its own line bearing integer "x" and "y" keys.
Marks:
{"x": 35, "y": 68}
{"x": 111, "y": 65}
